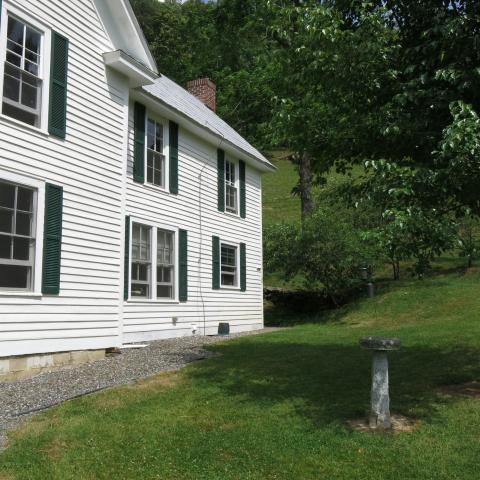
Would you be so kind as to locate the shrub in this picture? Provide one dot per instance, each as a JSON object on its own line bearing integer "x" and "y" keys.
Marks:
{"x": 326, "y": 249}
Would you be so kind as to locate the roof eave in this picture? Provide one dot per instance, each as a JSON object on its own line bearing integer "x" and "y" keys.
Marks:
{"x": 261, "y": 164}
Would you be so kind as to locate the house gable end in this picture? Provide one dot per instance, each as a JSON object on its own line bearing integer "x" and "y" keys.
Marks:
{"x": 124, "y": 32}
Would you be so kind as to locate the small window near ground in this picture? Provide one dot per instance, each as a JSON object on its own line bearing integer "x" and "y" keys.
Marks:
{"x": 141, "y": 261}
{"x": 22, "y": 82}
{"x": 231, "y": 190}
{"x": 155, "y": 156}
{"x": 228, "y": 265}
{"x": 17, "y": 239}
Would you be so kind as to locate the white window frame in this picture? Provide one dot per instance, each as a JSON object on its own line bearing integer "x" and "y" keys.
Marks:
{"x": 166, "y": 150}
{"x": 39, "y": 206}
{"x": 237, "y": 265}
{"x": 235, "y": 184}
{"x": 45, "y": 53}
{"x": 154, "y": 226}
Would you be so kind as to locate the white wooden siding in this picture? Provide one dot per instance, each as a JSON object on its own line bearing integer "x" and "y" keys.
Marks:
{"x": 195, "y": 210}
{"x": 89, "y": 165}
{"x": 93, "y": 168}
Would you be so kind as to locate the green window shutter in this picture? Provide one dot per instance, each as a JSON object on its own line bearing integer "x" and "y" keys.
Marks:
{"x": 139, "y": 143}
{"x": 52, "y": 239}
{"x": 243, "y": 267}
{"x": 126, "y": 266}
{"x": 215, "y": 263}
{"x": 182, "y": 265}
{"x": 243, "y": 192}
{"x": 57, "y": 117}
{"x": 173, "y": 148}
{"x": 221, "y": 179}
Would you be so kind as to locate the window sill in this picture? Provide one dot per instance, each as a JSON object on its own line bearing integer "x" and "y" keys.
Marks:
{"x": 152, "y": 301}
{"x": 154, "y": 188}
{"x": 13, "y": 293}
{"x": 235, "y": 289}
{"x": 22, "y": 125}
{"x": 230, "y": 214}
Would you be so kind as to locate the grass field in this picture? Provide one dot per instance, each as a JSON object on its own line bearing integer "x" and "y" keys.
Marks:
{"x": 274, "y": 406}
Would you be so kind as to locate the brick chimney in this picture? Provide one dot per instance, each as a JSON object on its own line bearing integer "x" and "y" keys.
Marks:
{"x": 205, "y": 90}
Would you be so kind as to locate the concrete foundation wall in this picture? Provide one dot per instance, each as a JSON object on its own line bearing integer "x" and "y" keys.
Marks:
{"x": 16, "y": 368}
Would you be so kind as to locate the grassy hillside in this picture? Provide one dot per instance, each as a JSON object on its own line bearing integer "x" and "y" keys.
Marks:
{"x": 278, "y": 202}
{"x": 275, "y": 406}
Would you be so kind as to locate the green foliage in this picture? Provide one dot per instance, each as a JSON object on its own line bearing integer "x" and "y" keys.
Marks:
{"x": 457, "y": 161}
{"x": 327, "y": 249}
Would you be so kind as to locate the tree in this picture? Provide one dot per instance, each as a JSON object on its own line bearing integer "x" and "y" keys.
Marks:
{"x": 327, "y": 249}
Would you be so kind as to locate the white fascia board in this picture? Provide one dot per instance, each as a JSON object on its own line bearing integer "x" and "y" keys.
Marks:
{"x": 137, "y": 73}
{"x": 122, "y": 28}
{"x": 156, "y": 105}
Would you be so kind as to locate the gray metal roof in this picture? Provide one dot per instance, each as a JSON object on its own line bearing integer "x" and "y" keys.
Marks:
{"x": 176, "y": 97}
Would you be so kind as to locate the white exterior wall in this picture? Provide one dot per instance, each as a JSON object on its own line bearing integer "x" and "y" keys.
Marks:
{"x": 89, "y": 165}
{"x": 195, "y": 210}
{"x": 93, "y": 168}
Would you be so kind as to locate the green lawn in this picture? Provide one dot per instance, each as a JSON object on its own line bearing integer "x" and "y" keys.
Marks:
{"x": 274, "y": 406}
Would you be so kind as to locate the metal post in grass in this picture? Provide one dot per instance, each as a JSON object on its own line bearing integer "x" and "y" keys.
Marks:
{"x": 380, "y": 397}
{"x": 366, "y": 277}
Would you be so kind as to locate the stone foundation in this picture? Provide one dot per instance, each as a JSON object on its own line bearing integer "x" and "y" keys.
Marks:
{"x": 25, "y": 366}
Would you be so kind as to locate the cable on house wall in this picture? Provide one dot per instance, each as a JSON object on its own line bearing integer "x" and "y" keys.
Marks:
{"x": 200, "y": 213}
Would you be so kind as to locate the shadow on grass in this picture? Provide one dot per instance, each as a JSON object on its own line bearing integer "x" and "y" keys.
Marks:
{"x": 330, "y": 383}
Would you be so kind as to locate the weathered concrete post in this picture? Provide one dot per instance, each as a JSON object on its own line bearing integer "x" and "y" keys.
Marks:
{"x": 380, "y": 397}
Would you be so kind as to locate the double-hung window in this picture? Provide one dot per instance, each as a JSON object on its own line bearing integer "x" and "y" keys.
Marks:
{"x": 165, "y": 264}
{"x": 22, "y": 72}
{"x": 17, "y": 236}
{"x": 153, "y": 263}
{"x": 228, "y": 265}
{"x": 156, "y": 164}
{"x": 231, "y": 187}
{"x": 141, "y": 261}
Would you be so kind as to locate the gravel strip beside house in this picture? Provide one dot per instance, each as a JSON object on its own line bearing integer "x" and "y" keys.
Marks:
{"x": 22, "y": 398}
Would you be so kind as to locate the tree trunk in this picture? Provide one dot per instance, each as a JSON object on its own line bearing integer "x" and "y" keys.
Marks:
{"x": 305, "y": 171}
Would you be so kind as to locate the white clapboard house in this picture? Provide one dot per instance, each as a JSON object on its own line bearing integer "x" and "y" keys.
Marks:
{"x": 129, "y": 210}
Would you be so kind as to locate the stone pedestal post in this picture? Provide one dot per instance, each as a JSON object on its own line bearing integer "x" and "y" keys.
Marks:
{"x": 380, "y": 399}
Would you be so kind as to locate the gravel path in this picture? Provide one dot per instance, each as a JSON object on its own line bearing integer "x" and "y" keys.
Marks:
{"x": 23, "y": 398}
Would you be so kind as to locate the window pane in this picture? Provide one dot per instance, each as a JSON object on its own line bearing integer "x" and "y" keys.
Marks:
{"x": 21, "y": 248}
{"x": 14, "y": 48}
{"x": 136, "y": 233}
{"x": 22, "y": 115}
{"x": 11, "y": 88}
{"x": 29, "y": 93}
{"x": 24, "y": 199}
{"x": 15, "y": 30}
{"x": 5, "y": 243}
{"x": 228, "y": 280}
{"x": 164, "y": 291}
{"x": 32, "y": 40}
{"x": 23, "y": 224}
{"x": 6, "y": 217}
{"x": 31, "y": 67}
{"x": 14, "y": 59}
{"x": 139, "y": 290}
{"x": 143, "y": 272}
{"x": 157, "y": 178}
{"x": 159, "y": 138}
{"x": 164, "y": 274}
{"x": 151, "y": 135}
{"x": 149, "y": 174}
{"x": 7, "y": 195}
{"x": 14, "y": 276}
